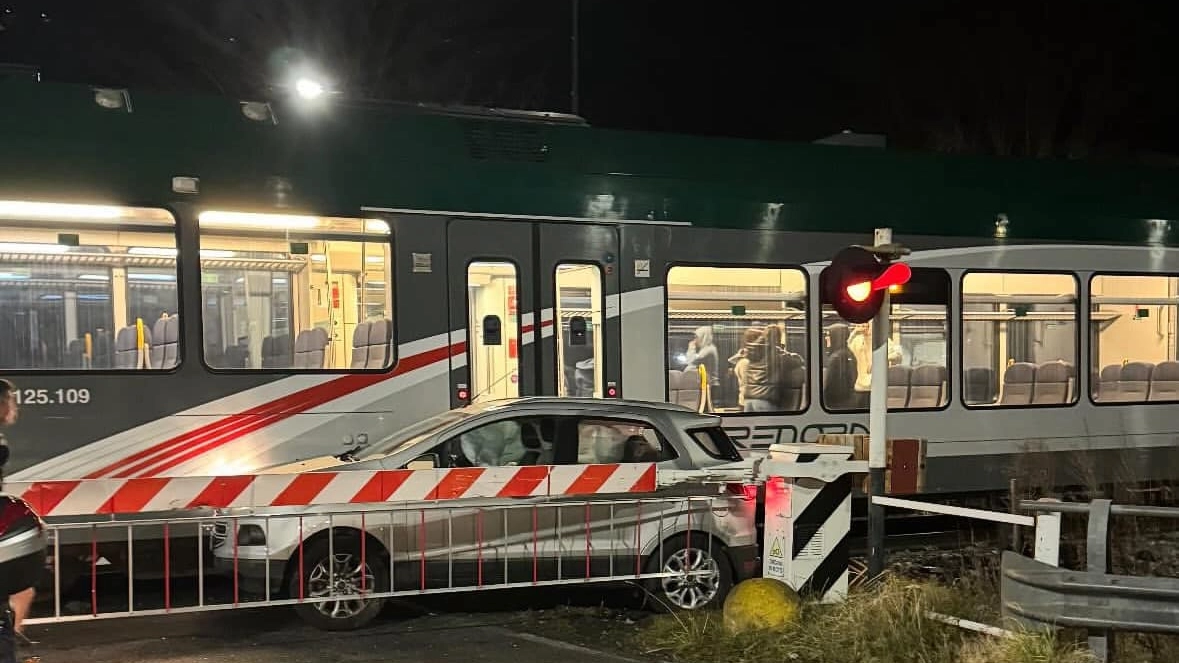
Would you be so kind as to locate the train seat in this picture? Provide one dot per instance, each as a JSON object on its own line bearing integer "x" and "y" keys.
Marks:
{"x": 310, "y": 348}
{"x": 684, "y": 388}
{"x": 926, "y": 386}
{"x": 1164, "y": 382}
{"x": 978, "y": 386}
{"x": 380, "y": 335}
{"x": 1018, "y": 382}
{"x": 165, "y": 352}
{"x": 1134, "y": 384}
{"x": 276, "y": 351}
{"x": 1052, "y": 383}
{"x": 898, "y": 386}
{"x": 360, "y": 345}
{"x": 1107, "y": 383}
{"x": 102, "y": 348}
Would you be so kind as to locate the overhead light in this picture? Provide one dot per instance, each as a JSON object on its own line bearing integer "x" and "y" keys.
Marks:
{"x": 25, "y": 209}
{"x": 12, "y": 276}
{"x": 152, "y": 251}
{"x": 112, "y": 99}
{"x": 309, "y": 88}
{"x": 376, "y": 226}
{"x": 374, "y": 259}
{"x": 318, "y": 257}
{"x": 257, "y": 220}
{"x": 93, "y": 277}
{"x": 23, "y": 247}
{"x": 217, "y": 253}
{"x": 142, "y": 276}
{"x": 258, "y": 111}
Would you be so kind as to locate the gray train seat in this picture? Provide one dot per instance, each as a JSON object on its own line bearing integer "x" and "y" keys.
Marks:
{"x": 1107, "y": 383}
{"x": 1164, "y": 382}
{"x": 684, "y": 388}
{"x": 926, "y": 386}
{"x": 1018, "y": 382}
{"x": 1134, "y": 384}
{"x": 898, "y": 386}
{"x": 165, "y": 352}
{"x": 978, "y": 386}
{"x": 360, "y": 345}
{"x": 380, "y": 334}
{"x": 1052, "y": 383}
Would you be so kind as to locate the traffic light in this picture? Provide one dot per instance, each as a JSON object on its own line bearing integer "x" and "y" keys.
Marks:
{"x": 856, "y": 280}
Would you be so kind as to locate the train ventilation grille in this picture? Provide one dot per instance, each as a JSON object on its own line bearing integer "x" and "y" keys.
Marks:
{"x": 500, "y": 141}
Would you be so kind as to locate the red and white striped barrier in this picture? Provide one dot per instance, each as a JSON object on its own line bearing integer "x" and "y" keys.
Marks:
{"x": 124, "y": 496}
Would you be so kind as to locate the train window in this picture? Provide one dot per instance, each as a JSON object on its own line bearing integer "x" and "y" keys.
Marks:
{"x": 302, "y": 293}
{"x": 1133, "y": 336}
{"x": 579, "y": 325}
{"x": 918, "y": 351}
{"x": 492, "y": 295}
{"x": 1019, "y": 339}
{"x": 737, "y": 338}
{"x": 87, "y": 287}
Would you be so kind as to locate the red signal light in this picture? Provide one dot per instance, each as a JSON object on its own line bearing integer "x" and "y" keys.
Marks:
{"x": 855, "y": 282}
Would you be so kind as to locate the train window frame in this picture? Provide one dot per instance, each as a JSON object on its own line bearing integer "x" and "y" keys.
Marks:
{"x": 951, "y": 328}
{"x": 1080, "y": 356}
{"x": 388, "y": 239}
{"x": 519, "y": 320}
{"x": 1095, "y": 377}
{"x": 65, "y": 224}
{"x": 808, "y": 400}
{"x": 599, "y": 370}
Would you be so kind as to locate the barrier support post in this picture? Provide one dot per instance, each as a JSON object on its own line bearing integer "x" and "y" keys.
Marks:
{"x": 808, "y": 517}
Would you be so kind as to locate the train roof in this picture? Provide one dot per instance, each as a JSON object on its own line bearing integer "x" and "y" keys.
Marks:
{"x": 61, "y": 144}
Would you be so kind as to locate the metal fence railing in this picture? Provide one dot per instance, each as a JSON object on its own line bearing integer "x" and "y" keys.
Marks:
{"x": 340, "y": 555}
{"x": 1039, "y": 593}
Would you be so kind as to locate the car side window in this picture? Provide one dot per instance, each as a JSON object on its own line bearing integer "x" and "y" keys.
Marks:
{"x": 604, "y": 441}
{"x": 507, "y": 442}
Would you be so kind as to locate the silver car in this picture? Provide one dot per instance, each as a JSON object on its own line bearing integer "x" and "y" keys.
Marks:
{"x": 709, "y": 542}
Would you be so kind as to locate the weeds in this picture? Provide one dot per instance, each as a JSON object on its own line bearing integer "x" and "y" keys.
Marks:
{"x": 886, "y": 623}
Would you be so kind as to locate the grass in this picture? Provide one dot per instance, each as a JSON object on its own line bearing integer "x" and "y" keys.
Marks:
{"x": 887, "y": 623}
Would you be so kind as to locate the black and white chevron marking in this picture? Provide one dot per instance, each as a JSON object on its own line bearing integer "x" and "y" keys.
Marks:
{"x": 821, "y": 522}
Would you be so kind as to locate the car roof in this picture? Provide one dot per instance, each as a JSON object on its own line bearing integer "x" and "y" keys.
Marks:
{"x": 614, "y": 406}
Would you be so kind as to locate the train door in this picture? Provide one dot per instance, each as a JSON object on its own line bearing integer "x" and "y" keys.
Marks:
{"x": 579, "y": 324}
{"x": 491, "y": 272}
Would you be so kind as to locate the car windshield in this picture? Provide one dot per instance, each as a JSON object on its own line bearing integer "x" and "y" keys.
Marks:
{"x": 412, "y": 434}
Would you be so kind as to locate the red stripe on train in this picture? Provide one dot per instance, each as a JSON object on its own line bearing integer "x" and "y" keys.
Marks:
{"x": 163, "y": 456}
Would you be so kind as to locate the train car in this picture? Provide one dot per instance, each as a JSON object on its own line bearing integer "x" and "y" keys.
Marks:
{"x": 195, "y": 286}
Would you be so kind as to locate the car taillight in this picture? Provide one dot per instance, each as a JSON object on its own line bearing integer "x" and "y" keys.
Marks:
{"x": 746, "y": 490}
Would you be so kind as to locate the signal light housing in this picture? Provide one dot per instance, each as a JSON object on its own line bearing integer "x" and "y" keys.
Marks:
{"x": 855, "y": 282}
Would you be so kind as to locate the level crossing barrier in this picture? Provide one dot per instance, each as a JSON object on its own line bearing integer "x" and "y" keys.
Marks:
{"x": 189, "y": 544}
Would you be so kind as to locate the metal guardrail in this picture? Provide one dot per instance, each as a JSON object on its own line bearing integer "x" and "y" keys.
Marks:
{"x": 1039, "y": 594}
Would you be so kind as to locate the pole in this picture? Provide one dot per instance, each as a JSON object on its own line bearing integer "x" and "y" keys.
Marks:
{"x": 877, "y": 413}
{"x": 575, "y": 74}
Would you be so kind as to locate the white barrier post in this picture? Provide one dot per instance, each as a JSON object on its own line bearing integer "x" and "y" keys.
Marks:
{"x": 808, "y": 516}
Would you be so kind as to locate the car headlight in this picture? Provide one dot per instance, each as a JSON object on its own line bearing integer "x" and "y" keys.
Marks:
{"x": 250, "y": 535}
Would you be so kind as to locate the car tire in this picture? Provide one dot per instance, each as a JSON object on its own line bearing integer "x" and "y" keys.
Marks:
{"x": 682, "y": 553}
{"x": 338, "y": 615}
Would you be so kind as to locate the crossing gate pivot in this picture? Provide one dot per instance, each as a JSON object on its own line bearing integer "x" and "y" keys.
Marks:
{"x": 808, "y": 516}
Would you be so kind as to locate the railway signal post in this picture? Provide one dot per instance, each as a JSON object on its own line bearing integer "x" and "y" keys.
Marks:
{"x": 857, "y": 284}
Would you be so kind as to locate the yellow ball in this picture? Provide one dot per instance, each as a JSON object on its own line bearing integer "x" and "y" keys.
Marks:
{"x": 760, "y": 603}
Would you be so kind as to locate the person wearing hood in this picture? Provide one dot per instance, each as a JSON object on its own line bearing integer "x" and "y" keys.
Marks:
{"x": 768, "y": 365}
{"x": 702, "y": 351}
{"x": 839, "y": 382}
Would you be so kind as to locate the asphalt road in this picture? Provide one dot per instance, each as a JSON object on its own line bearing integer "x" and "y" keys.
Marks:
{"x": 437, "y": 629}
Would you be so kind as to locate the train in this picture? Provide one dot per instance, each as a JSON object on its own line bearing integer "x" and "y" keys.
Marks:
{"x": 195, "y": 285}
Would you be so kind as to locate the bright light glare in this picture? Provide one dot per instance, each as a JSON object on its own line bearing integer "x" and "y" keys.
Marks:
{"x": 152, "y": 251}
{"x": 308, "y": 88}
{"x": 216, "y": 253}
{"x": 254, "y": 220}
{"x": 33, "y": 210}
{"x": 23, "y": 247}
{"x": 859, "y": 292}
{"x": 376, "y": 226}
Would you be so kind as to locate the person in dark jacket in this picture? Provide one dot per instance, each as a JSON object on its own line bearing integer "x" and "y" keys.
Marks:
{"x": 768, "y": 366}
{"x": 839, "y": 380}
{"x": 16, "y": 606}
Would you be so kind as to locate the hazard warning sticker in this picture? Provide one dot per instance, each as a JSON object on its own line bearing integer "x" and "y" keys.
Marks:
{"x": 776, "y": 549}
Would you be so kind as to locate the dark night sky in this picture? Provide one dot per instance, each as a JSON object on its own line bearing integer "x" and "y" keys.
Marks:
{"x": 1039, "y": 78}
